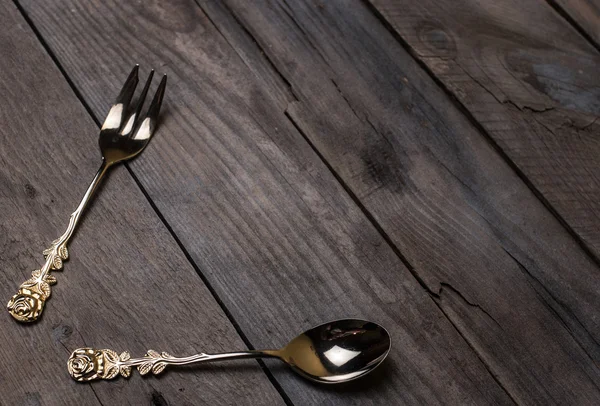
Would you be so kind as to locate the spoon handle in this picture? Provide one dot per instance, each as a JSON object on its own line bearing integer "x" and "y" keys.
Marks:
{"x": 27, "y": 305}
{"x": 87, "y": 364}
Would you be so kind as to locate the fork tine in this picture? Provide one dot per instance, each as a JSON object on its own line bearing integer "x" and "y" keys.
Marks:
{"x": 138, "y": 109}
{"x": 114, "y": 118}
{"x": 128, "y": 126}
{"x": 146, "y": 127}
{"x": 154, "y": 108}
{"x": 126, "y": 93}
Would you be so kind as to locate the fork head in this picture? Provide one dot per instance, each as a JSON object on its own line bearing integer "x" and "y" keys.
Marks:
{"x": 125, "y": 133}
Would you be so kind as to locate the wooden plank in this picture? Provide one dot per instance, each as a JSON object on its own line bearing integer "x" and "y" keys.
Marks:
{"x": 585, "y": 14}
{"x": 530, "y": 80}
{"x": 127, "y": 286}
{"x": 271, "y": 229}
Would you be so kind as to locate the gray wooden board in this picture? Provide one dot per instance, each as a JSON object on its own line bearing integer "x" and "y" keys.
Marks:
{"x": 127, "y": 285}
{"x": 283, "y": 244}
{"x": 271, "y": 229}
{"x": 585, "y": 14}
{"x": 468, "y": 227}
{"x": 530, "y": 80}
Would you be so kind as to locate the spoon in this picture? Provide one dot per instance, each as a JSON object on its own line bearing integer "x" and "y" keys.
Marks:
{"x": 334, "y": 352}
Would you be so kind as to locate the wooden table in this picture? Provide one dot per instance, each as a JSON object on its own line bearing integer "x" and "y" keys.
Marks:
{"x": 431, "y": 166}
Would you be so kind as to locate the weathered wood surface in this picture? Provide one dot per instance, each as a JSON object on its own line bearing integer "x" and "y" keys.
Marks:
{"x": 252, "y": 172}
{"x": 585, "y": 15}
{"x": 274, "y": 233}
{"x": 127, "y": 285}
{"x": 413, "y": 219}
{"x": 532, "y": 83}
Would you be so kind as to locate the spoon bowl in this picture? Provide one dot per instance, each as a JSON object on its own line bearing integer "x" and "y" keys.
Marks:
{"x": 338, "y": 351}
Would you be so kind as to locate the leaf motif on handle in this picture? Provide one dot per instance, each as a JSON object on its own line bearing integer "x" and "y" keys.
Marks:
{"x": 50, "y": 280}
{"x": 29, "y": 283}
{"x": 111, "y": 356}
{"x": 152, "y": 354}
{"x": 125, "y": 372}
{"x": 124, "y": 356}
{"x": 145, "y": 368}
{"x": 45, "y": 289}
{"x": 158, "y": 368}
{"x": 112, "y": 372}
{"x": 63, "y": 252}
{"x": 33, "y": 281}
{"x": 57, "y": 263}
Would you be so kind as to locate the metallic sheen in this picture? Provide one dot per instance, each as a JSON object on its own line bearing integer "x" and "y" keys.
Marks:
{"x": 122, "y": 137}
{"x": 333, "y": 352}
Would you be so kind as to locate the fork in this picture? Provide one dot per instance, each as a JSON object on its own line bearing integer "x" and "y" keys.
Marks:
{"x": 123, "y": 135}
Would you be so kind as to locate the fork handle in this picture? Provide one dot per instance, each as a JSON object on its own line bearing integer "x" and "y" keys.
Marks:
{"x": 88, "y": 364}
{"x": 27, "y": 305}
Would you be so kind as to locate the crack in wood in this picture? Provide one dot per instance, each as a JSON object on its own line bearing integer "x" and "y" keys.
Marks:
{"x": 445, "y": 285}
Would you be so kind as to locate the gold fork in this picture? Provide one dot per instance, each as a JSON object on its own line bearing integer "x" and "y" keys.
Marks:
{"x": 124, "y": 135}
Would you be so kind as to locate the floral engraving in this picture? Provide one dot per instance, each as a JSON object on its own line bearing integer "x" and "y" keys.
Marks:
{"x": 87, "y": 364}
{"x": 27, "y": 305}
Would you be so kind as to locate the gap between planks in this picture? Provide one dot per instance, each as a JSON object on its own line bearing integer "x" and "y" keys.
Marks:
{"x": 573, "y": 22}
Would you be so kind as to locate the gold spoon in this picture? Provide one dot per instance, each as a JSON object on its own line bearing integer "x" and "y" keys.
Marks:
{"x": 333, "y": 352}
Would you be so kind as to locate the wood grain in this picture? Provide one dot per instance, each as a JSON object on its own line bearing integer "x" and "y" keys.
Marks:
{"x": 531, "y": 81}
{"x": 585, "y": 13}
{"x": 281, "y": 241}
{"x": 276, "y": 235}
{"x": 127, "y": 286}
